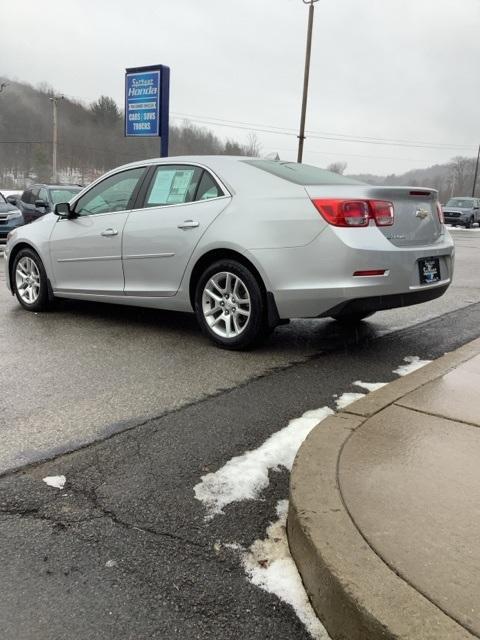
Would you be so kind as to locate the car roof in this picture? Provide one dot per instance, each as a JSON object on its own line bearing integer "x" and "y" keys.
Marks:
{"x": 53, "y": 186}
{"x": 232, "y": 171}
{"x": 210, "y": 160}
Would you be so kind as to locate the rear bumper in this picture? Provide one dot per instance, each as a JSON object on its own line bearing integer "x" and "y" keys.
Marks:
{"x": 381, "y": 303}
{"x": 317, "y": 279}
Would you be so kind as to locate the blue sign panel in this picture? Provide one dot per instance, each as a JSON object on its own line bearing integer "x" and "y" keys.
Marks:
{"x": 142, "y": 103}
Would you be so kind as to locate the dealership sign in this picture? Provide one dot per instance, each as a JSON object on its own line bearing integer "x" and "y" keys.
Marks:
{"x": 146, "y": 103}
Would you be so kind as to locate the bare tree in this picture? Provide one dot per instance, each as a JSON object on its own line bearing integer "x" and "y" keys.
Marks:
{"x": 460, "y": 175}
{"x": 337, "y": 167}
{"x": 253, "y": 147}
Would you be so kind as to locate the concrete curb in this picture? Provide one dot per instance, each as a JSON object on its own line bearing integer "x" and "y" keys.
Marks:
{"x": 355, "y": 594}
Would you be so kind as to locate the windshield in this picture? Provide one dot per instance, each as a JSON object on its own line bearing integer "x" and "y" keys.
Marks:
{"x": 304, "y": 174}
{"x": 460, "y": 203}
{"x": 63, "y": 195}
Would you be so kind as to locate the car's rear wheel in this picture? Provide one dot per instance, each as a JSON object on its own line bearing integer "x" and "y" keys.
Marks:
{"x": 230, "y": 305}
{"x": 30, "y": 281}
{"x": 353, "y": 318}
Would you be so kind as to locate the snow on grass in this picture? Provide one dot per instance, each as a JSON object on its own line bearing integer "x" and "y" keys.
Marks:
{"x": 347, "y": 398}
{"x": 269, "y": 565}
{"x": 58, "y": 482}
{"x": 369, "y": 386}
{"x": 412, "y": 364}
{"x": 246, "y": 476}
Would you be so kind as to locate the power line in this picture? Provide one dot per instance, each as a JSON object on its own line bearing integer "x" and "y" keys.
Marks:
{"x": 336, "y": 137}
{"x": 319, "y": 135}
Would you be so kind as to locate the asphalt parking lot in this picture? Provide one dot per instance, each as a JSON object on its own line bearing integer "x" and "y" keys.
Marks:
{"x": 86, "y": 370}
{"x": 127, "y": 549}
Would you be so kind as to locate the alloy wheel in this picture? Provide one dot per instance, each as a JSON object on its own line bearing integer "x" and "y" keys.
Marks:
{"x": 226, "y": 304}
{"x": 27, "y": 280}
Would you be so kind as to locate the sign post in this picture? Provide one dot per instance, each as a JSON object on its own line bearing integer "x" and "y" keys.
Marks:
{"x": 147, "y": 93}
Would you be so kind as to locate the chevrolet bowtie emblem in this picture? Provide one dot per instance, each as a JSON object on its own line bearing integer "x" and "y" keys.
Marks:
{"x": 422, "y": 213}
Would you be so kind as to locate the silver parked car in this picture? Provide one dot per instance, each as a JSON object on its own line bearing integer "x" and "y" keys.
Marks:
{"x": 245, "y": 243}
{"x": 462, "y": 211}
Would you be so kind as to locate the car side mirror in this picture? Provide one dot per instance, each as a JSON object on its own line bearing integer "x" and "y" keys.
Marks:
{"x": 41, "y": 204}
{"x": 12, "y": 199}
{"x": 63, "y": 210}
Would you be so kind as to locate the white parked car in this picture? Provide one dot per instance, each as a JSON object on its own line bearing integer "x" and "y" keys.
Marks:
{"x": 245, "y": 243}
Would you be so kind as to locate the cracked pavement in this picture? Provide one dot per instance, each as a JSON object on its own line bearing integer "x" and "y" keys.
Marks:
{"x": 123, "y": 552}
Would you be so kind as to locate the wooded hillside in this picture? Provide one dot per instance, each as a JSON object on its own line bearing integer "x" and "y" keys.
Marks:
{"x": 90, "y": 138}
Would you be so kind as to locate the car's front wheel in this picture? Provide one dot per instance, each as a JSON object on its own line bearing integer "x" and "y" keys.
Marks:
{"x": 230, "y": 305}
{"x": 469, "y": 223}
{"x": 30, "y": 281}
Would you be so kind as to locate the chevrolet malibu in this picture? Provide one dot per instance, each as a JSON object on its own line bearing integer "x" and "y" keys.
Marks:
{"x": 245, "y": 243}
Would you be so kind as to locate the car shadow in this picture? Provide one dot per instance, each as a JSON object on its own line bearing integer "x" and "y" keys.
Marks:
{"x": 302, "y": 335}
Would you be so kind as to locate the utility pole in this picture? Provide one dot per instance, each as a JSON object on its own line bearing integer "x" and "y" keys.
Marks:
{"x": 301, "y": 135}
{"x": 476, "y": 173}
{"x": 54, "y": 100}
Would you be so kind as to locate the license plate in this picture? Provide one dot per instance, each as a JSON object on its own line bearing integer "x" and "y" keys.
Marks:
{"x": 429, "y": 270}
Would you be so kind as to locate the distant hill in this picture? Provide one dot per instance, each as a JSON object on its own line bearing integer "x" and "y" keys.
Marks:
{"x": 452, "y": 179}
{"x": 90, "y": 138}
{"x": 91, "y": 141}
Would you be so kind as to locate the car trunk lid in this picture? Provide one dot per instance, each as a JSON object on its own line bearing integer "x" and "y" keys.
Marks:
{"x": 416, "y": 218}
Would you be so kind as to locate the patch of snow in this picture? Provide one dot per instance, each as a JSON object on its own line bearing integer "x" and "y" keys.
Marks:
{"x": 370, "y": 386}
{"x": 58, "y": 482}
{"x": 412, "y": 364}
{"x": 246, "y": 476}
{"x": 347, "y": 398}
{"x": 461, "y": 228}
{"x": 111, "y": 563}
{"x": 269, "y": 565}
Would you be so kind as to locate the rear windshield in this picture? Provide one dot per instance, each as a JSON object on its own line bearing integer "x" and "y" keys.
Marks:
{"x": 304, "y": 174}
{"x": 63, "y": 195}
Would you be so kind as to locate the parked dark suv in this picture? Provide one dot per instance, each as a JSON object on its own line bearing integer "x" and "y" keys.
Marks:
{"x": 40, "y": 199}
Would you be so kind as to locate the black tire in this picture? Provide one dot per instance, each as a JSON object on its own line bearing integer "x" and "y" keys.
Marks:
{"x": 353, "y": 318}
{"x": 255, "y": 328}
{"x": 469, "y": 224}
{"x": 41, "y": 302}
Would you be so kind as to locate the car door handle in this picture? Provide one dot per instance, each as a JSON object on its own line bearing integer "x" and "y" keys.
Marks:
{"x": 189, "y": 224}
{"x": 110, "y": 232}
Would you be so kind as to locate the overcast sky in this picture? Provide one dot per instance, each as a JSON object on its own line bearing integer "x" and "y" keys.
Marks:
{"x": 403, "y": 70}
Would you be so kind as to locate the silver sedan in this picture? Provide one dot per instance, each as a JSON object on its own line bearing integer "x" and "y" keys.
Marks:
{"x": 243, "y": 242}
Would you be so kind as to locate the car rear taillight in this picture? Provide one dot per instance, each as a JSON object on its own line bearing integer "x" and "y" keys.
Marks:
{"x": 441, "y": 217}
{"x": 382, "y": 212}
{"x": 355, "y": 213}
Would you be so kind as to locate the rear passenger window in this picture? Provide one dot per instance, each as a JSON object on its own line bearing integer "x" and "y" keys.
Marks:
{"x": 207, "y": 188}
{"x": 172, "y": 184}
{"x": 27, "y": 197}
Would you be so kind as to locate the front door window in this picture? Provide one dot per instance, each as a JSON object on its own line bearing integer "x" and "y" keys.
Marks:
{"x": 112, "y": 194}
